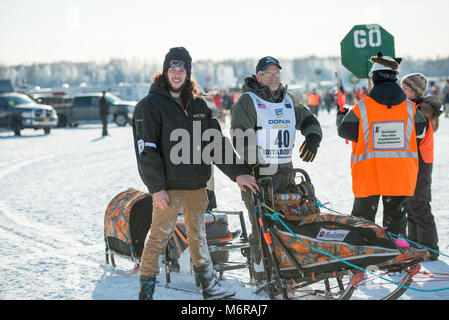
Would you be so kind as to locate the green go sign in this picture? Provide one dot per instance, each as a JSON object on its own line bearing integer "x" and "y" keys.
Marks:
{"x": 363, "y": 42}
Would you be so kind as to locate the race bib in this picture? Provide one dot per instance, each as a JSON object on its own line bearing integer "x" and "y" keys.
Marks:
{"x": 277, "y": 131}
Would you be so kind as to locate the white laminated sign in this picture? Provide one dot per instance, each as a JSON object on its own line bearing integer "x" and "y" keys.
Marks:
{"x": 388, "y": 135}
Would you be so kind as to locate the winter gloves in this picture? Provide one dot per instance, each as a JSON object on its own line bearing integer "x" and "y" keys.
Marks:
{"x": 310, "y": 147}
{"x": 342, "y": 112}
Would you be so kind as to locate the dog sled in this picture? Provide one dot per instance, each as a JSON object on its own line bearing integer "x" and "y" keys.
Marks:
{"x": 127, "y": 222}
{"x": 309, "y": 254}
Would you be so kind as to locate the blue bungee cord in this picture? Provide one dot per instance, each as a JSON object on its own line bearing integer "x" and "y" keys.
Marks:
{"x": 275, "y": 216}
{"x": 418, "y": 244}
{"x": 319, "y": 204}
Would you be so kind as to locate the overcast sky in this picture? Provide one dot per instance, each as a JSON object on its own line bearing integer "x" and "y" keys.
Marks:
{"x": 98, "y": 30}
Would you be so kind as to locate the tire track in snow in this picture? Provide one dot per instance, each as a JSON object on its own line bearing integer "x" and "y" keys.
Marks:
{"x": 46, "y": 240}
{"x": 20, "y": 164}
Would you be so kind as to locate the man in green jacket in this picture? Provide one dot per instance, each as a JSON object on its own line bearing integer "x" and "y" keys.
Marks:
{"x": 272, "y": 116}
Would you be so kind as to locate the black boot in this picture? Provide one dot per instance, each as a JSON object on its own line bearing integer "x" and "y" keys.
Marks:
{"x": 146, "y": 289}
{"x": 207, "y": 277}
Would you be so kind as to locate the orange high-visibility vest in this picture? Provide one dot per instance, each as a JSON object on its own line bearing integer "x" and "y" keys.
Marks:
{"x": 426, "y": 145}
{"x": 384, "y": 160}
{"x": 314, "y": 99}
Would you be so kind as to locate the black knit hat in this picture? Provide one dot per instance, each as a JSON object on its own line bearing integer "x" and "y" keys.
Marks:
{"x": 178, "y": 57}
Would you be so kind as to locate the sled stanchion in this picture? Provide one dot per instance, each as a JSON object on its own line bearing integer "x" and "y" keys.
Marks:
{"x": 242, "y": 223}
{"x": 106, "y": 251}
{"x": 265, "y": 234}
{"x": 167, "y": 271}
{"x": 288, "y": 254}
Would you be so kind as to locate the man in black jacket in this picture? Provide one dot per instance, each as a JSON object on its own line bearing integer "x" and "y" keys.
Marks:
{"x": 176, "y": 171}
{"x": 103, "y": 108}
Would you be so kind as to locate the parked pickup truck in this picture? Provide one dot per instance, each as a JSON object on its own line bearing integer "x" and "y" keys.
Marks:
{"x": 18, "y": 111}
{"x": 84, "y": 107}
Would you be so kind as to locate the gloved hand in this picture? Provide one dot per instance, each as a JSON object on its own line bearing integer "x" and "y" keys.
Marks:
{"x": 344, "y": 112}
{"x": 309, "y": 147}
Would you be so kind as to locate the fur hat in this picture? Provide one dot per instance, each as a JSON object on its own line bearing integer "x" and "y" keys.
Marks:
{"x": 381, "y": 62}
{"x": 434, "y": 103}
{"x": 178, "y": 57}
{"x": 417, "y": 82}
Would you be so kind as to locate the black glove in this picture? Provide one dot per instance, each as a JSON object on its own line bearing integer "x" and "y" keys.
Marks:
{"x": 310, "y": 147}
{"x": 344, "y": 112}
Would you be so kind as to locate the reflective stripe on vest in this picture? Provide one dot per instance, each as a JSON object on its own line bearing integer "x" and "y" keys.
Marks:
{"x": 385, "y": 154}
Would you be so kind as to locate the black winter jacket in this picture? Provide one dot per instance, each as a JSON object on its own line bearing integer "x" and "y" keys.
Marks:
{"x": 155, "y": 118}
{"x": 103, "y": 106}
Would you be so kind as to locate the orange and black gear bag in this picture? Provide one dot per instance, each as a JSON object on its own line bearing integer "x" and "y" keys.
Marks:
{"x": 349, "y": 238}
{"x": 127, "y": 221}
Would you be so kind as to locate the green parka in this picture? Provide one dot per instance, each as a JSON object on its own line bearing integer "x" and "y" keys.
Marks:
{"x": 244, "y": 115}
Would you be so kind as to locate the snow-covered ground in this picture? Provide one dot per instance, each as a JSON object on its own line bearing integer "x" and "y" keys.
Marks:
{"x": 55, "y": 188}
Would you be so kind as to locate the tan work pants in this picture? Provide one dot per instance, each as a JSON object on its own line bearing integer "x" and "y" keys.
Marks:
{"x": 193, "y": 204}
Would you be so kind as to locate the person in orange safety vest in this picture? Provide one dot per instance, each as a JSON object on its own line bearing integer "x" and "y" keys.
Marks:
{"x": 420, "y": 220}
{"x": 384, "y": 162}
{"x": 313, "y": 101}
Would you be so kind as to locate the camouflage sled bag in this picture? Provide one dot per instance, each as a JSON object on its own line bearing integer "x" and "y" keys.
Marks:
{"x": 127, "y": 221}
{"x": 352, "y": 239}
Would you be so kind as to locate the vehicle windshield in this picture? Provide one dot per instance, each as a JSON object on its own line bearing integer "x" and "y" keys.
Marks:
{"x": 14, "y": 100}
{"x": 113, "y": 99}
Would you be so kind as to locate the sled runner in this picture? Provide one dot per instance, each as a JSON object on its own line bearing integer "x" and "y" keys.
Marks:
{"x": 309, "y": 254}
{"x": 128, "y": 221}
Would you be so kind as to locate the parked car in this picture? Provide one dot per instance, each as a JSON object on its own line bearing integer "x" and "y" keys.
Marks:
{"x": 84, "y": 107}
{"x": 18, "y": 111}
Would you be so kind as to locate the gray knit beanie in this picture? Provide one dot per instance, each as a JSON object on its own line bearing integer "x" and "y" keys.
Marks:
{"x": 417, "y": 82}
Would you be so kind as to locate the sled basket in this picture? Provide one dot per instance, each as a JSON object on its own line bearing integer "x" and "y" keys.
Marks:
{"x": 217, "y": 234}
{"x": 348, "y": 238}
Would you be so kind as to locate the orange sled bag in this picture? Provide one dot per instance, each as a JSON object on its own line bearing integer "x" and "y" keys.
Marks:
{"x": 127, "y": 221}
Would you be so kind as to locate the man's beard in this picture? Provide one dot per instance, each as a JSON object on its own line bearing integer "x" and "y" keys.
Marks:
{"x": 176, "y": 90}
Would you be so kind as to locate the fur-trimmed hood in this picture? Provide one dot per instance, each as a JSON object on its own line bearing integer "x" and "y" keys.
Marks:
{"x": 430, "y": 107}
